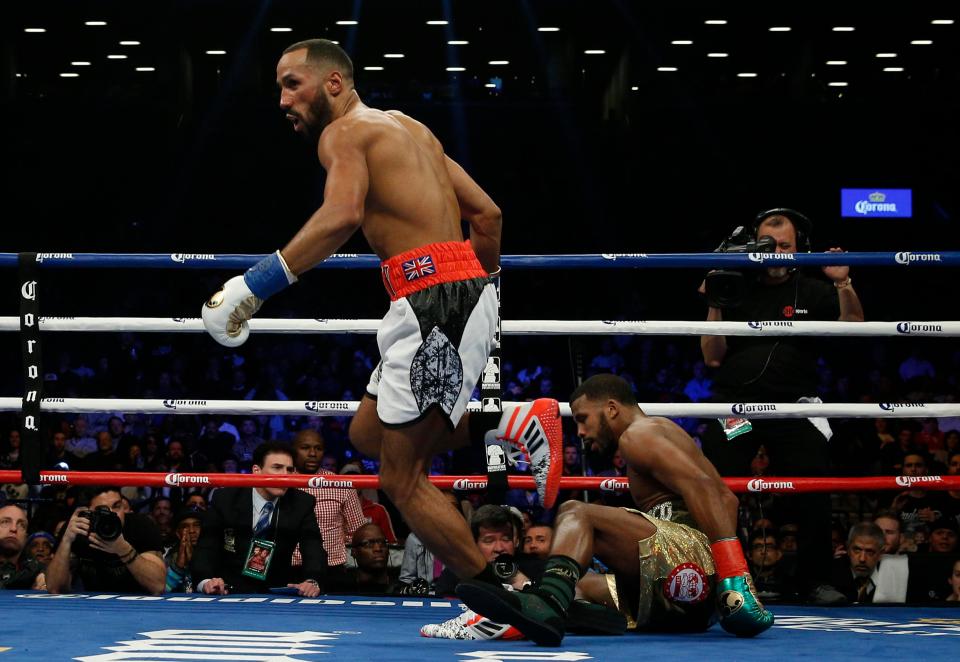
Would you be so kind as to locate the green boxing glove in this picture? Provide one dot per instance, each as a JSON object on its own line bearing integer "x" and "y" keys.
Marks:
{"x": 741, "y": 612}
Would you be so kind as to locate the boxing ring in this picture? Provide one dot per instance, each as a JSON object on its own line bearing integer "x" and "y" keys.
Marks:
{"x": 273, "y": 627}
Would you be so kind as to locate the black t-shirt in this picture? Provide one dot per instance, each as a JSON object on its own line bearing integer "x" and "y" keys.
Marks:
{"x": 911, "y": 515}
{"x": 775, "y": 368}
{"x": 22, "y": 574}
{"x": 94, "y": 570}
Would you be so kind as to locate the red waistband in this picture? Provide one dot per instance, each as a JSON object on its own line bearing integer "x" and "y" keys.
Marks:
{"x": 429, "y": 265}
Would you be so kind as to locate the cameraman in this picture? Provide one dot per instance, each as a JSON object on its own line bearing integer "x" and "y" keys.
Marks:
{"x": 779, "y": 369}
{"x": 129, "y": 563}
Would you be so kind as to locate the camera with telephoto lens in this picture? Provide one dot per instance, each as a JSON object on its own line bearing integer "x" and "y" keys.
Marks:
{"x": 104, "y": 522}
{"x": 725, "y": 287}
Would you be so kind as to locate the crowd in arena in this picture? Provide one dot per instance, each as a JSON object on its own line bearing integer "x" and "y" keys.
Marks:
{"x": 368, "y": 547}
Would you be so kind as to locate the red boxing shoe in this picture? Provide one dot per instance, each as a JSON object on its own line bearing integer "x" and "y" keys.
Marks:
{"x": 536, "y": 431}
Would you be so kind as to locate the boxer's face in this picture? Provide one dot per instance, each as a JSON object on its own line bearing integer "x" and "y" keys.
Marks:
{"x": 593, "y": 427}
{"x": 303, "y": 93}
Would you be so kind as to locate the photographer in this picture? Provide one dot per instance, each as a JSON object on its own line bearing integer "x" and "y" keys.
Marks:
{"x": 777, "y": 369}
{"x": 104, "y": 548}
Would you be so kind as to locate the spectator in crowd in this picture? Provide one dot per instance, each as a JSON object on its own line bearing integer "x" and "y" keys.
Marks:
{"x": 187, "y": 527}
{"x": 153, "y": 452}
{"x": 916, "y": 366}
{"x": 195, "y": 500}
{"x": 18, "y": 570}
{"x": 943, "y": 536}
{"x": 10, "y": 456}
{"x": 889, "y": 523}
{"x": 891, "y": 455}
{"x": 81, "y": 443}
{"x": 161, "y": 512}
{"x": 129, "y": 563}
{"x": 57, "y": 453}
{"x": 40, "y": 545}
{"x": 769, "y": 575}
{"x": 248, "y": 441}
{"x": 176, "y": 459}
{"x": 929, "y": 438}
{"x": 105, "y": 458}
{"x": 372, "y": 510}
{"x": 369, "y": 546}
{"x": 788, "y": 538}
{"x": 780, "y": 370}
{"x": 699, "y": 388}
{"x": 856, "y": 573}
{"x": 537, "y": 539}
{"x": 241, "y": 521}
{"x": 953, "y": 581}
{"x": 338, "y": 510}
{"x": 917, "y": 507}
{"x": 419, "y": 567}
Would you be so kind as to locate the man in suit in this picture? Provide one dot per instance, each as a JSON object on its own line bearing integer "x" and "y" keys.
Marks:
{"x": 242, "y": 522}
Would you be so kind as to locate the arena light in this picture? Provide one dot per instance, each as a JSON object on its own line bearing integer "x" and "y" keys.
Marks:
{"x": 438, "y": 23}
{"x": 117, "y": 56}
{"x": 893, "y": 69}
{"x": 394, "y": 56}
{"x": 347, "y": 22}
{"x": 373, "y": 68}
{"x": 95, "y": 23}
{"x": 780, "y": 28}
{"x": 922, "y": 42}
{"x": 456, "y": 68}
{"x": 69, "y": 74}
{"x": 35, "y": 30}
{"x": 666, "y": 68}
{"x": 942, "y": 21}
{"x": 281, "y": 29}
{"x": 715, "y": 21}
{"x": 457, "y": 42}
{"x": 594, "y": 51}
{"x": 146, "y": 69}
{"x": 718, "y": 55}
{"x": 130, "y": 43}
{"x": 886, "y": 55}
{"x": 841, "y": 28}
{"x": 490, "y": 85}
{"x": 746, "y": 74}
{"x": 80, "y": 63}
{"x": 682, "y": 42}
{"x": 498, "y": 63}
{"x": 548, "y": 29}
{"x": 635, "y": 88}
{"x": 836, "y": 63}
{"x": 837, "y": 83}
{"x": 216, "y": 52}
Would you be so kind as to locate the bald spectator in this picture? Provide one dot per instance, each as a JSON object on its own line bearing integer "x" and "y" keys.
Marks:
{"x": 369, "y": 547}
{"x": 81, "y": 443}
{"x": 338, "y": 510}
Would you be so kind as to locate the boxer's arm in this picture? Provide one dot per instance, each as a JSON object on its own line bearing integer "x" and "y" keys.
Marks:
{"x": 712, "y": 504}
{"x": 479, "y": 209}
{"x": 343, "y": 156}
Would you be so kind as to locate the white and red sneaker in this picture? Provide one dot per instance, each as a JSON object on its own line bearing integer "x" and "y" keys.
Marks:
{"x": 470, "y": 625}
{"x": 535, "y": 432}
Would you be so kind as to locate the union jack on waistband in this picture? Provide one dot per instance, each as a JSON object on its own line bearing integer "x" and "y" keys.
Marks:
{"x": 419, "y": 266}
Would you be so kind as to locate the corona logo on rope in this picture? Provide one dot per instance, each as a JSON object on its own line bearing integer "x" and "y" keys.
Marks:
{"x": 909, "y": 327}
{"x": 907, "y": 481}
{"x": 319, "y": 405}
{"x": 173, "y": 404}
{"x": 906, "y": 257}
{"x": 181, "y": 479}
{"x": 467, "y": 484}
{"x": 761, "y": 325}
{"x": 54, "y": 256}
{"x": 614, "y": 256}
{"x": 54, "y": 478}
{"x": 742, "y": 408}
{"x": 320, "y": 481}
{"x": 53, "y": 401}
{"x": 759, "y": 485}
{"x": 768, "y": 257}
{"x": 183, "y": 257}
{"x": 891, "y": 406}
{"x": 614, "y": 484}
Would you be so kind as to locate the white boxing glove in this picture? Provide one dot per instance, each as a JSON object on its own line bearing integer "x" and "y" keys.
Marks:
{"x": 226, "y": 313}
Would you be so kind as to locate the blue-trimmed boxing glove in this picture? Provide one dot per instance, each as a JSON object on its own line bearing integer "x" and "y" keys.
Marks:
{"x": 226, "y": 313}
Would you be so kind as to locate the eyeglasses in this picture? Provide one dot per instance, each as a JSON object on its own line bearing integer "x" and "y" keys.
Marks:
{"x": 9, "y": 521}
{"x": 371, "y": 543}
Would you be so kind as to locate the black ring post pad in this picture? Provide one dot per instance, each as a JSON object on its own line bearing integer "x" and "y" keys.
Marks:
{"x": 31, "y": 446}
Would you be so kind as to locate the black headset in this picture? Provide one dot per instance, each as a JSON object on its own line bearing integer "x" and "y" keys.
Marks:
{"x": 802, "y": 224}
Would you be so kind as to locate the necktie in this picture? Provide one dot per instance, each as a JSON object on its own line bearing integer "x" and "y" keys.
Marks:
{"x": 863, "y": 592}
{"x": 264, "y": 522}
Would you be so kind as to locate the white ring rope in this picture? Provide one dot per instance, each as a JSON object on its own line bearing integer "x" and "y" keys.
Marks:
{"x": 513, "y": 327}
{"x": 348, "y": 408}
